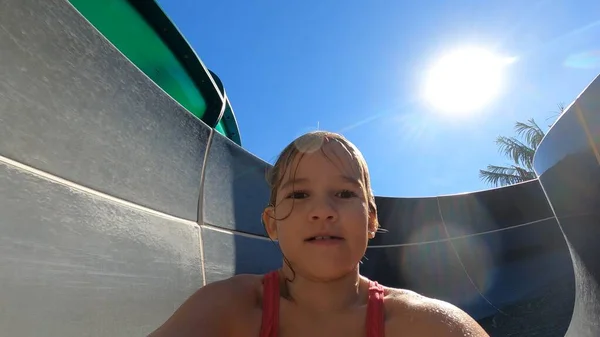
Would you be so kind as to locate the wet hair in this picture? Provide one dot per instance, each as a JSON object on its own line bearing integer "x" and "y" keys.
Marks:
{"x": 311, "y": 142}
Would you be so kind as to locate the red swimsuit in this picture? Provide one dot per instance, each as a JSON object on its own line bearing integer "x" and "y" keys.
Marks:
{"x": 270, "y": 316}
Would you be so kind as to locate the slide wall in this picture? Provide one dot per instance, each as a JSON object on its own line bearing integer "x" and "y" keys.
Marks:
{"x": 116, "y": 204}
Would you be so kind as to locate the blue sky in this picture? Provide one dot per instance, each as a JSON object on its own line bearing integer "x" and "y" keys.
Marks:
{"x": 358, "y": 67}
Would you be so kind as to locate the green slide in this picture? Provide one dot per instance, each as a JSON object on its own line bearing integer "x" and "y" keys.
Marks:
{"x": 146, "y": 36}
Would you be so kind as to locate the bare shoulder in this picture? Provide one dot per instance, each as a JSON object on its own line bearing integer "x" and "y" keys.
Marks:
{"x": 408, "y": 311}
{"x": 206, "y": 312}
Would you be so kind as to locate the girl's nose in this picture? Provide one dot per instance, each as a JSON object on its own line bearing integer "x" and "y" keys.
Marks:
{"x": 323, "y": 209}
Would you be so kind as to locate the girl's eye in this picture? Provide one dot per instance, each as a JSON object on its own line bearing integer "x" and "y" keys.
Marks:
{"x": 297, "y": 195}
{"x": 347, "y": 194}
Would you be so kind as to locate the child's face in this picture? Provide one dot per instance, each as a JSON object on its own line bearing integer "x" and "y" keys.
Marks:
{"x": 325, "y": 197}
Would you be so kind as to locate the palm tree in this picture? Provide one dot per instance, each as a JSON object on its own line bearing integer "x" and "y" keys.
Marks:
{"x": 520, "y": 152}
{"x": 561, "y": 109}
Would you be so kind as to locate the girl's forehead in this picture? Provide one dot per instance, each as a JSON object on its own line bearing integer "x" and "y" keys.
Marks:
{"x": 331, "y": 155}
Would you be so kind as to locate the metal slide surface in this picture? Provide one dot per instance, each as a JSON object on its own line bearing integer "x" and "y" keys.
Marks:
{"x": 117, "y": 203}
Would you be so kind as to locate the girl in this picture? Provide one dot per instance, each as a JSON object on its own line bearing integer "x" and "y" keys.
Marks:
{"x": 322, "y": 212}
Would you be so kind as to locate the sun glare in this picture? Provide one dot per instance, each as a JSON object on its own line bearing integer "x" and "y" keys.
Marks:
{"x": 465, "y": 80}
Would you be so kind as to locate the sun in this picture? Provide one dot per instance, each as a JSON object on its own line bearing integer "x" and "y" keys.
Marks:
{"x": 465, "y": 80}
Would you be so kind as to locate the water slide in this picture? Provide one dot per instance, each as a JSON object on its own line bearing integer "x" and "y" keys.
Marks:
{"x": 124, "y": 187}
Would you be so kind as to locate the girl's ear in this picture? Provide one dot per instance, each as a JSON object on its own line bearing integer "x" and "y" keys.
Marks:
{"x": 373, "y": 225}
{"x": 268, "y": 220}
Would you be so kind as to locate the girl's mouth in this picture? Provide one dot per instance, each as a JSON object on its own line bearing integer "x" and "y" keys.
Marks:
{"x": 325, "y": 240}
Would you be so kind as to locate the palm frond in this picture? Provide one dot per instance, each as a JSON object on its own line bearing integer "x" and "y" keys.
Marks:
{"x": 520, "y": 150}
{"x": 532, "y": 133}
{"x": 520, "y": 153}
{"x": 505, "y": 175}
{"x": 561, "y": 109}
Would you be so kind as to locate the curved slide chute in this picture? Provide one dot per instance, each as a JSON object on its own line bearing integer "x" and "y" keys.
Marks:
{"x": 120, "y": 195}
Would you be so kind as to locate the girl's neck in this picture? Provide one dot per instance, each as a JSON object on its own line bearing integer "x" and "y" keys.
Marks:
{"x": 324, "y": 296}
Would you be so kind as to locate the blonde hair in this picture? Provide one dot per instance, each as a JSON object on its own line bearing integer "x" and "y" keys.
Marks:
{"x": 311, "y": 142}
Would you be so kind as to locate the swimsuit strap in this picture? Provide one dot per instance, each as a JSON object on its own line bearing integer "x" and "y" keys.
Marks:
{"x": 375, "y": 311}
{"x": 270, "y": 305}
{"x": 375, "y": 320}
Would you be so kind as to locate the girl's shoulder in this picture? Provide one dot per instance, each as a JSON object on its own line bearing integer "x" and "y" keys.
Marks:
{"x": 242, "y": 289}
{"x": 416, "y": 314}
{"x": 217, "y": 309}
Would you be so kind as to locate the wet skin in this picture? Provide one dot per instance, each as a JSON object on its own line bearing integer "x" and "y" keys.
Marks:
{"x": 322, "y": 222}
